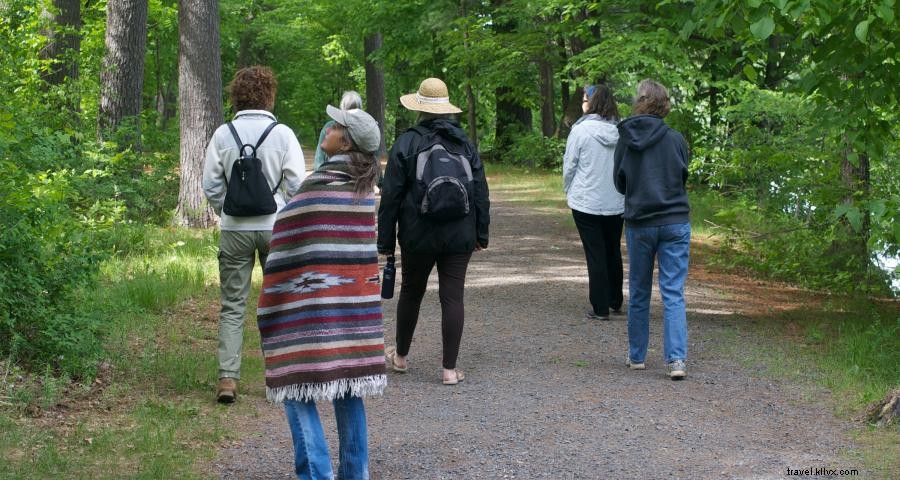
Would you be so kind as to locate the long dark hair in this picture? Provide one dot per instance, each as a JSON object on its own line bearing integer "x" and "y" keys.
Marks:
{"x": 363, "y": 166}
{"x": 602, "y": 103}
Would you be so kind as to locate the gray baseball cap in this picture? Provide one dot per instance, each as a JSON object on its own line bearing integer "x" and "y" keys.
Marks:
{"x": 362, "y": 127}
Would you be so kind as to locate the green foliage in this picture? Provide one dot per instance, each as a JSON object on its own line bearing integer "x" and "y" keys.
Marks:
{"x": 533, "y": 150}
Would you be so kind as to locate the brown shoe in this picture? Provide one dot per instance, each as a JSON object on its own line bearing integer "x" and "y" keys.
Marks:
{"x": 227, "y": 390}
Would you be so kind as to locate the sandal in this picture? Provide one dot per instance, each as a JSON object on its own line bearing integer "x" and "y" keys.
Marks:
{"x": 460, "y": 376}
{"x": 390, "y": 355}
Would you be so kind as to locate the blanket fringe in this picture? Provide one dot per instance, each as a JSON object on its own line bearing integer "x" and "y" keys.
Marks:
{"x": 371, "y": 385}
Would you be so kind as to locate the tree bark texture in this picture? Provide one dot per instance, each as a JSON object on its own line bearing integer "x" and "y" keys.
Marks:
{"x": 375, "y": 102}
{"x": 548, "y": 118}
{"x": 200, "y": 101}
{"x": 63, "y": 41}
{"x": 122, "y": 74}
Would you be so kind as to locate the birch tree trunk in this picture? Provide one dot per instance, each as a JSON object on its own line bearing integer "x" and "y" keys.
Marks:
{"x": 200, "y": 101}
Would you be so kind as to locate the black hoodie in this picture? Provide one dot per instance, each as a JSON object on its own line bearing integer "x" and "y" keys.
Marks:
{"x": 650, "y": 169}
{"x": 417, "y": 233}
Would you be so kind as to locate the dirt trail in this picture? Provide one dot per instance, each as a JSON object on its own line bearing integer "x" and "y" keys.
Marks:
{"x": 547, "y": 395}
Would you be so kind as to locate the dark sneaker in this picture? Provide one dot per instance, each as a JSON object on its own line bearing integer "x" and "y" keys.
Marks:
{"x": 226, "y": 391}
{"x": 677, "y": 370}
{"x": 633, "y": 365}
{"x": 593, "y": 316}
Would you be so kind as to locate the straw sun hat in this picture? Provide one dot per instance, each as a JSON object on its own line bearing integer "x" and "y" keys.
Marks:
{"x": 432, "y": 97}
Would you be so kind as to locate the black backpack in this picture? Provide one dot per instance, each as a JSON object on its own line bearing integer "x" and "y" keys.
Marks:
{"x": 248, "y": 193}
{"x": 443, "y": 187}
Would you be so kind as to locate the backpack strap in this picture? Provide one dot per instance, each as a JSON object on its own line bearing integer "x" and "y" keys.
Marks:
{"x": 274, "y": 190}
{"x": 237, "y": 138}
{"x": 264, "y": 135}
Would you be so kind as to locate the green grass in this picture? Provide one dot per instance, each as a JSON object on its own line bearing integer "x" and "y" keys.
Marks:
{"x": 541, "y": 189}
{"x": 154, "y": 417}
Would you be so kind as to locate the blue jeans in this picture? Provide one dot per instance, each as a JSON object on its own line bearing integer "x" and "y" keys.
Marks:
{"x": 671, "y": 244}
{"x": 311, "y": 459}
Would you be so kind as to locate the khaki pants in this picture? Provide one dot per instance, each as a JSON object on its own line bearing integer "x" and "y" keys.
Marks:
{"x": 237, "y": 252}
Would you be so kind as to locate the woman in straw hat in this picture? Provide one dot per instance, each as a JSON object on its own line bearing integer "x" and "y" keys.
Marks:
{"x": 425, "y": 239}
{"x": 319, "y": 312}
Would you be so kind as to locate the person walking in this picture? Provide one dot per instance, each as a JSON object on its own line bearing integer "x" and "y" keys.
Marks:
{"x": 349, "y": 100}
{"x": 651, "y": 170}
{"x": 434, "y": 199}
{"x": 245, "y": 234}
{"x": 319, "y": 312}
{"x": 596, "y": 205}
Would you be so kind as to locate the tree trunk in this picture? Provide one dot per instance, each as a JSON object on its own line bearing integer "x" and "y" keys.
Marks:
{"x": 471, "y": 117}
{"x": 512, "y": 119}
{"x": 122, "y": 74}
{"x": 166, "y": 82}
{"x": 63, "y": 41}
{"x": 375, "y": 84}
{"x": 200, "y": 100}
{"x": 548, "y": 118}
{"x": 855, "y": 178}
{"x": 572, "y": 108}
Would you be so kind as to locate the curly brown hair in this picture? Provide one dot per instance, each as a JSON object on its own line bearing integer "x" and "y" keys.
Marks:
{"x": 253, "y": 88}
{"x": 652, "y": 99}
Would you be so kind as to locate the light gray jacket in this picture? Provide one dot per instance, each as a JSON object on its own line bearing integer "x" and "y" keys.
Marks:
{"x": 279, "y": 153}
{"x": 588, "y": 167}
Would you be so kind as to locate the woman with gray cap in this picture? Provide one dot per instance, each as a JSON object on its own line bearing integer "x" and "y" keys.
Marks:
{"x": 434, "y": 199}
{"x": 319, "y": 312}
{"x": 349, "y": 101}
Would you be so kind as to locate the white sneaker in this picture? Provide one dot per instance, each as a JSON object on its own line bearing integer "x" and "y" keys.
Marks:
{"x": 677, "y": 370}
{"x": 633, "y": 365}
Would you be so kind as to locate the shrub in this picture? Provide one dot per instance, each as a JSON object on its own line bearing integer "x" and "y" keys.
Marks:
{"x": 535, "y": 150}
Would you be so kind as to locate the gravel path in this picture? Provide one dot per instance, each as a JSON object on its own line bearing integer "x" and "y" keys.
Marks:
{"x": 547, "y": 395}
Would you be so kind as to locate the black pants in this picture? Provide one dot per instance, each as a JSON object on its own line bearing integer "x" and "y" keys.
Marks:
{"x": 601, "y": 237}
{"x": 416, "y": 269}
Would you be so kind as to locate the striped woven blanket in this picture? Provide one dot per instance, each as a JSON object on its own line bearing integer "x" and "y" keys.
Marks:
{"x": 319, "y": 312}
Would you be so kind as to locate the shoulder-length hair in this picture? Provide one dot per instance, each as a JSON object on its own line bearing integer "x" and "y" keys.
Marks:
{"x": 602, "y": 103}
{"x": 652, "y": 99}
{"x": 253, "y": 88}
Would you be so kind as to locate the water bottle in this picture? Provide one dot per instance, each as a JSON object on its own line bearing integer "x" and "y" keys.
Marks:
{"x": 387, "y": 280}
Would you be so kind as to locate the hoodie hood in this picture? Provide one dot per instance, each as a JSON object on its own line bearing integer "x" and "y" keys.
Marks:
{"x": 446, "y": 128}
{"x": 600, "y": 129}
{"x": 642, "y": 131}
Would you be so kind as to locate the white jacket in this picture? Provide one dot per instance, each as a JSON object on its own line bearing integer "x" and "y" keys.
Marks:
{"x": 279, "y": 153}
{"x": 588, "y": 167}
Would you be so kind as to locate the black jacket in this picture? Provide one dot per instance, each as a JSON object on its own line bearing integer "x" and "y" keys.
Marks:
{"x": 416, "y": 233}
{"x": 650, "y": 167}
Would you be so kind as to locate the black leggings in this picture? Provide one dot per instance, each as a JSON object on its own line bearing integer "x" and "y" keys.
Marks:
{"x": 601, "y": 237}
{"x": 416, "y": 268}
